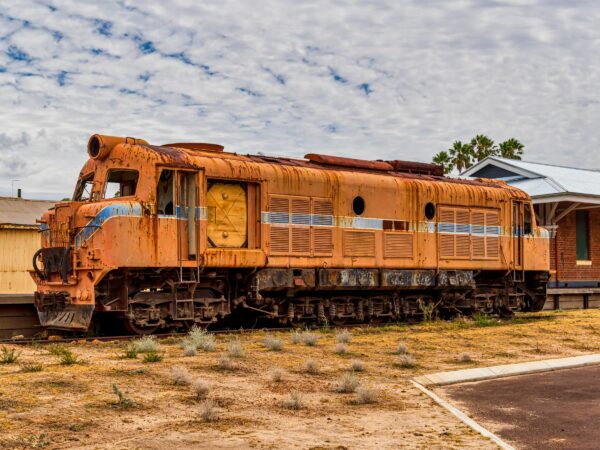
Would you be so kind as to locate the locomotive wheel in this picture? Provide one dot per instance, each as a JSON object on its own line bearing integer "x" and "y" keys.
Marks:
{"x": 134, "y": 328}
{"x": 339, "y": 321}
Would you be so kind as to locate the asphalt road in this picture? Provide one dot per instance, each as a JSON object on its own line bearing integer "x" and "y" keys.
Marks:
{"x": 558, "y": 409}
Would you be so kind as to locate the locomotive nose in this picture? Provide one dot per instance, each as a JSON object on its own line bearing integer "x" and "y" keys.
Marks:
{"x": 99, "y": 145}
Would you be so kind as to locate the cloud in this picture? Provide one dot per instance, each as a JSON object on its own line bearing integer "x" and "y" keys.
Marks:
{"x": 374, "y": 80}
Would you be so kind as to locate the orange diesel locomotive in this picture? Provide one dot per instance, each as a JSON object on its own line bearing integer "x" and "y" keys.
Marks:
{"x": 184, "y": 234}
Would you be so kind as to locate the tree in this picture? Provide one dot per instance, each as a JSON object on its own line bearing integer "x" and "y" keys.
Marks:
{"x": 443, "y": 159}
{"x": 511, "y": 149}
{"x": 483, "y": 147}
{"x": 462, "y": 155}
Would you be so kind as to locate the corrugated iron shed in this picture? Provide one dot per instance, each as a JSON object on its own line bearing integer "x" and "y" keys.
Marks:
{"x": 22, "y": 213}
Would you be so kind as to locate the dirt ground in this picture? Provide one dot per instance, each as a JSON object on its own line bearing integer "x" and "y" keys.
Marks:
{"x": 75, "y": 406}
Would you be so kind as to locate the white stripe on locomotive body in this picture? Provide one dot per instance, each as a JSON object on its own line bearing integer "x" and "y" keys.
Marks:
{"x": 371, "y": 223}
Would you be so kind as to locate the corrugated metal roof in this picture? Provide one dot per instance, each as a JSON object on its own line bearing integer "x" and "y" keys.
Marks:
{"x": 539, "y": 179}
{"x": 21, "y": 212}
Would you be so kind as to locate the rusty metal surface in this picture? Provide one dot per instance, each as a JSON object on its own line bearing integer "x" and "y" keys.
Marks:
{"x": 418, "y": 168}
{"x": 348, "y": 278}
{"x": 348, "y": 162}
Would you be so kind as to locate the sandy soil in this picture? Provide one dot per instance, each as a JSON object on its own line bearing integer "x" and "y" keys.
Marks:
{"x": 74, "y": 406}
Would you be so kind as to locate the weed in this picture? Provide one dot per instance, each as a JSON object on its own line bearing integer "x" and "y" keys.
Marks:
{"x": 68, "y": 358}
{"x": 483, "y": 320}
{"x": 208, "y": 411}
{"x": 277, "y": 375}
{"x": 152, "y": 357}
{"x": 346, "y": 384}
{"x": 309, "y": 339}
{"x": 311, "y": 366}
{"x": 341, "y": 349}
{"x": 56, "y": 350}
{"x": 189, "y": 350}
{"x": 200, "y": 388}
{"x": 272, "y": 343}
{"x": 365, "y": 395}
{"x": 235, "y": 349}
{"x": 225, "y": 363}
{"x": 180, "y": 376}
{"x": 200, "y": 339}
{"x": 402, "y": 348}
{"x": 38, "y": 440}
{"x": 122, "y": 401}
{"x": 294, "y": 401}
{"x": 427, "y": 308}
{"x": 9, "y": 356}
{"x": 343, "y": 336}
{"x": 406, "y": 361}
{"x": 296, "y": 337}
{"x": 31, "y": 367}
{"x": 465, "y": 358}
{"x": 130, "y": 352}
{"x": 146, "y": 344}
{"x": 357, "y": 366}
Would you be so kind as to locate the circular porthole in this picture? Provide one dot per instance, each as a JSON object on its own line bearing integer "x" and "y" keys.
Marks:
{"x": 358, "y": 205}
{"x": 429, "y": 211}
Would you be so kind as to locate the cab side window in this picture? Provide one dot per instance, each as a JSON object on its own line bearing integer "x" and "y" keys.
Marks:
{"x": 527, "y": 219}
{"x": 165, "y": 192}
{"x": 83, "y": 192}
{"x": 120, "y": 183}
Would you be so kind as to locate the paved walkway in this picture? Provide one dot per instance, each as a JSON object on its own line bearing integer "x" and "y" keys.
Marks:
{"x": 558, "y": 409}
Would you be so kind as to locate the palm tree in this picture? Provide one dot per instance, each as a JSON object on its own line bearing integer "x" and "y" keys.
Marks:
{"x": 511, "y": 149}
{"x": 462, "y": 155}
{"x": 443, "y": 159}
{"x": 483, "y": 147}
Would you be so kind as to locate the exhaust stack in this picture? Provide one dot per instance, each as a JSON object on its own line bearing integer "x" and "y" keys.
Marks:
{"x": 99, "y": 145}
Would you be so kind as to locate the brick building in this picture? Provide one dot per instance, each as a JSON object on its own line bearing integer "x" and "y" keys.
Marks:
{"x": 567, "y": 202}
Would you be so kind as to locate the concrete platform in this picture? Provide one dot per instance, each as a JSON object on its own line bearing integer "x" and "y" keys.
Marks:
{"x": 506, "y": 370}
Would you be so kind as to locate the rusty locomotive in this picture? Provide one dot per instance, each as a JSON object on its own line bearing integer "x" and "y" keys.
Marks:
{"x": 186, "y": 234}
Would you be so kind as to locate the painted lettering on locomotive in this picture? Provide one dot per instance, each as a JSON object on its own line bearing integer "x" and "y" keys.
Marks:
{"x": 184, "y": 234}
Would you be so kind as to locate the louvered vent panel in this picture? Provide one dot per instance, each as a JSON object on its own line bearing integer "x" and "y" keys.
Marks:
{"x": 301, "y": 211}
{"x": 300, "y": 239}
{"x": 359, "y": 243}
{"x": 322, "y": 241}
{"x": 280, "y": 239}
{"x": 492, "y": 243}
{"x": 398, "y": 245}
{"x": 322, "y": 211}
{"x": 446, "y": 246}
{"x": 447, "y": 225}
{"x": 478, "y": 243}
{"x": 463, "y": 246}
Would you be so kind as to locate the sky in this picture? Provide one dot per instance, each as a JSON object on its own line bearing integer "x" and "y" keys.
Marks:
{"x": 397, "y": 79}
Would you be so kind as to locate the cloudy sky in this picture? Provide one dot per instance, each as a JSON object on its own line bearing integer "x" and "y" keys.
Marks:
{"x": 395, "y": 79}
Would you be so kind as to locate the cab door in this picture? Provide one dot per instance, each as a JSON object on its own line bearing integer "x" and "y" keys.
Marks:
{"x": 186, "y": 209}
{"x": 518, "y": 231}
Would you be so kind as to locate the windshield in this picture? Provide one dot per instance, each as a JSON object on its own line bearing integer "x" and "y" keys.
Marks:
{"x": 120, "y": 183}
{"x": 84, "y": 188}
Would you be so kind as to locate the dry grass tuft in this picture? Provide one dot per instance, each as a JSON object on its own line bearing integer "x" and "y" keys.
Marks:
{"x": 225, "y": 363}
{"x": 365, "y": 395}
{"x": 357, "y": 366}
{"x": 402, "y": 348}
{"x": 277, "y": 374}
{"x": 343, "y": 336}
{"x": 309, "y": 339}
{"x": 200, "y": 388}
{"x": 235, "y": 349}
{"x": 347, "y": 383}
{"x": 311, "y": 366}
{"x": 294, "y": 401}
{"x": 465, "y": 358}
{"x": 340, "y": 349}
{"x": 146, "y": 344}
{"x": 208, "y": 411}
{"x": 296, "y": 337}
{"x": 406, "y": 361}
{"x": 180, "y": 376}
{"x": 273, "y": 344}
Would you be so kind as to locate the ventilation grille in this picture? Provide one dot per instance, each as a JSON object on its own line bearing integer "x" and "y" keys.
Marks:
{"x": 359, "y": 243}
{"x": 398, "y": 245}
{"x": 300, "y": 225}
{"x": 468, "y": 233}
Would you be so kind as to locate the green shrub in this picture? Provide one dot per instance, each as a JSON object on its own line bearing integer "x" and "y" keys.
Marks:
{"x": 122, "y": 401}
{"x": 9, "y": 356}
{"x": 152, "y": 357}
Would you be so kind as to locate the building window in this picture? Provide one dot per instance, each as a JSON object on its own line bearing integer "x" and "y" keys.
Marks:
{"x": 583, "y": 235}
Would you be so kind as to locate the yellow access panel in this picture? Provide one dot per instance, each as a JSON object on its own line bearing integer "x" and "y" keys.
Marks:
{"x": 227, "y": 206}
